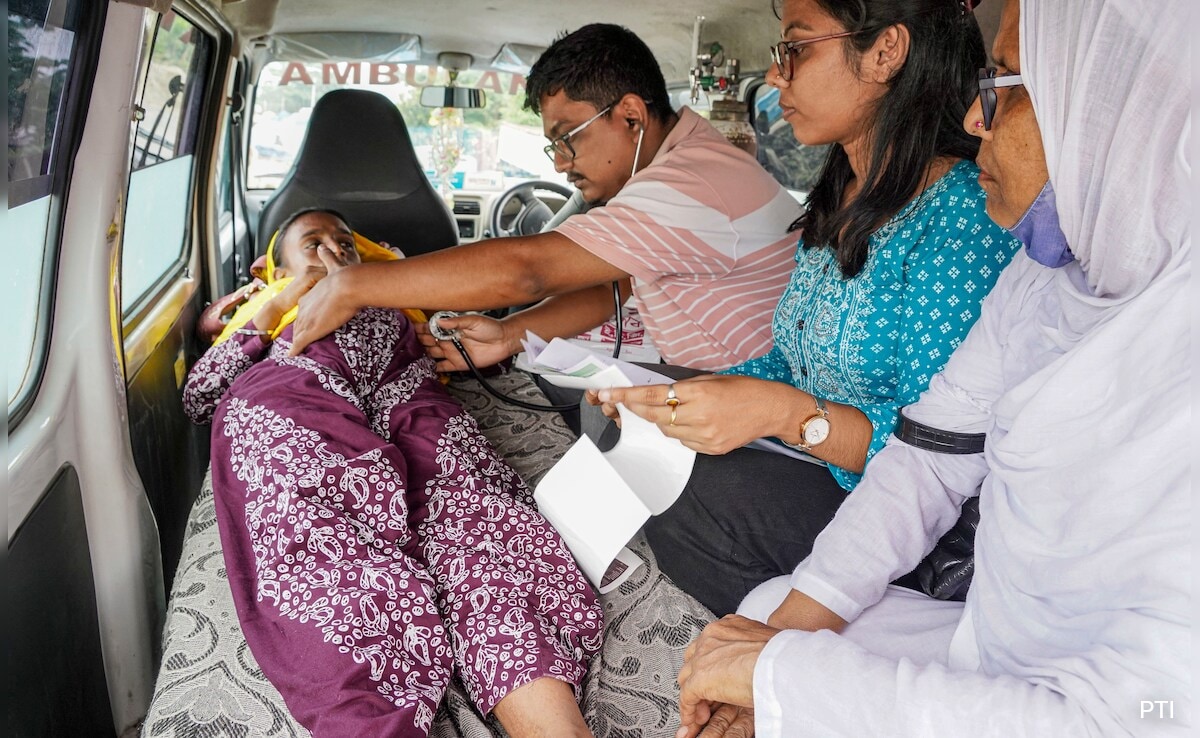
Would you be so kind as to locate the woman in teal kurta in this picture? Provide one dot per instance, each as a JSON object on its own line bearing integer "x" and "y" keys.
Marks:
{"x": 896, "y": 254}
{"x": 871, "y": 342}
{"x": 874, "y": 341}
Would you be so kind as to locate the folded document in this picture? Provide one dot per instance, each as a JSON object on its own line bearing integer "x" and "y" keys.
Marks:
{"x": 565, "y": 363}
{"x": 598, "y": 501}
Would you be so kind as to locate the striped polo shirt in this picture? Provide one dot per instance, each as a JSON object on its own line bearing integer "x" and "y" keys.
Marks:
{"x": 703, "y": 232}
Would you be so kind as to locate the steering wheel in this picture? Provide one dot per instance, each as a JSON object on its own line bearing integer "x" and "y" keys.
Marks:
{"x": 534, "y": 212}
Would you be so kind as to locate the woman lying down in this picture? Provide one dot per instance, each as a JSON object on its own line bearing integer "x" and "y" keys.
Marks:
{"x": 375, "y": 542}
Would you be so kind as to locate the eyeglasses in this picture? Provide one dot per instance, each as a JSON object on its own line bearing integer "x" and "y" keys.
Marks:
{"x": 785, "y": 52}
{"x": 561, "y": 146}
{"x": 988, "y": 82}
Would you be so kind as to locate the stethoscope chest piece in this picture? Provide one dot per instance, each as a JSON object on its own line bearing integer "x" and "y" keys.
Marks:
{"x": 435, "y": 328}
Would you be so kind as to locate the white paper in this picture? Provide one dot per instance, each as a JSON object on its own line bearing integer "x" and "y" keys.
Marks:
{"x": 629, "y": 351}
{"x": 622, "y": 567}
{"x": 610, "y": 376}
{"x": 568, "y": 364}
{"x": 656, "y": 467}
{"x": 592, "y": 508}
{"x": 533, "y": 343}
{"x": 598, "y": 501}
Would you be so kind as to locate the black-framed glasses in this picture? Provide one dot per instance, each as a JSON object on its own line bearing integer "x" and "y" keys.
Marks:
{"x": 784, "y": 53}
{"x": 561, "y": 146}
{"x": 988, "y": 82}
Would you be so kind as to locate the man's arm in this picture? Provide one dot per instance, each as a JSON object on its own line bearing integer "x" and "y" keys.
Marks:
{"x": 568, "y": 315}
{"x": 496, "y": 273}
{"x": 489, "y": 341}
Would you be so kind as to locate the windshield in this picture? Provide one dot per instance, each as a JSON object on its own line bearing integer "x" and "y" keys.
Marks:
{"x": 488, "y": 148}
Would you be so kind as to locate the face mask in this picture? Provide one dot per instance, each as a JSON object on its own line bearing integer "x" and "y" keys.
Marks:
{"x": 1039, "y": 230}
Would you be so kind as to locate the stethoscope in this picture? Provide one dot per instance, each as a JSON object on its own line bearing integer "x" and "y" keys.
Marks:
{"x": 453, "y": 336}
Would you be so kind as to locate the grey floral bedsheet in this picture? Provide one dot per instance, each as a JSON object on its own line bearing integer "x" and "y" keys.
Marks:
{"x": 209, "y": 685}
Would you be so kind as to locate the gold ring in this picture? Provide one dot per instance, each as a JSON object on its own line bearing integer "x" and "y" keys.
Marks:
{"x": 672, "y": 400}
{"x": 674, "y": 409}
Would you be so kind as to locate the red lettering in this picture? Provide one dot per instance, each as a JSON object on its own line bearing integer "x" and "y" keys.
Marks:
{"x": 410, "y": 76}
{"x": 296, "y": 71}
{"x": 338, "y": 74}
{"x": 385, "y": 74}
{"x": 516, "y": 84}
{"x": 489, "y": 81}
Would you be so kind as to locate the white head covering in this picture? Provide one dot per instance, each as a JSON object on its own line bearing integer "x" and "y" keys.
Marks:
{"x": 1111, "y": 87}
{"x": 1084, "y": 580}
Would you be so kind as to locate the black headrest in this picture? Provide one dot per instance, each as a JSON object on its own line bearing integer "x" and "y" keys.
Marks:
{"x": 358, "y": 159}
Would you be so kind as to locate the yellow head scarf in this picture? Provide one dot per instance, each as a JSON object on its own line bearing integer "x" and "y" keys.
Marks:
{"x": 367, "y": 250}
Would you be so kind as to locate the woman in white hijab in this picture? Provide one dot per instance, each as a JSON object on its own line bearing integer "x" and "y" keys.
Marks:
{"x": 1079, "y": 373}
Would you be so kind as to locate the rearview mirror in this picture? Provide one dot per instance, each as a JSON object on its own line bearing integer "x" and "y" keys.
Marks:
{"x": 452, "y": 97}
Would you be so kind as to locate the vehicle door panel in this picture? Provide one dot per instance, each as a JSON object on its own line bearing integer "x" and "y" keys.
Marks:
{"x": 85, "y": 587}
{"x": 168, "y": 232}
{"x": 58, "y": 686}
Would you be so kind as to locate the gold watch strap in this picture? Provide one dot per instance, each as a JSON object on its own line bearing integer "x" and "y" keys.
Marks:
{"x": 822, "y": 412}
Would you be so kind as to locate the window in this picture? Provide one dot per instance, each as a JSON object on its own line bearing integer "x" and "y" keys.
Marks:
{"x": 471, "y": 149}
{"x": 224, "y": 182}
{"x": 160, "y": 185}
{"x": 43, "y": 36}
{"x": 793, "y": 164}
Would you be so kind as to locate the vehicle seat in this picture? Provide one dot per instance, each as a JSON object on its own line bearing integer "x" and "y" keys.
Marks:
{"x": 358, "y": 159}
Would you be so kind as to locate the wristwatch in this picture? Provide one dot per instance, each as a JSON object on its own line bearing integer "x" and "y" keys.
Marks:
{"x": 814, "y": 429}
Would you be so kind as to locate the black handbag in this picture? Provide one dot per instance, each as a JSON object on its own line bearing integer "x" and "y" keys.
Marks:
{"x": 946, "y": 572}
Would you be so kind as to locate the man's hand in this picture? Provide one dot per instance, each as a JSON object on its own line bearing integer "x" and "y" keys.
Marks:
{"x": 269, "y": 315}
{"x": 485, "y": 339}
{"x": 718, "y": 673}
{"x": 324, "y": 309}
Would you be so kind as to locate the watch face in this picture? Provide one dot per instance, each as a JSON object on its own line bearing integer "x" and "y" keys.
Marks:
{"x": 815, "y": 431}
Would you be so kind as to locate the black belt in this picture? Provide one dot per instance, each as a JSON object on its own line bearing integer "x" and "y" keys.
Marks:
{"x": 936, "y": 440}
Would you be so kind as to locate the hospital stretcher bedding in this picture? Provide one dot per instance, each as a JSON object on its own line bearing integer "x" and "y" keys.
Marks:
{"x": 209, "y": 684}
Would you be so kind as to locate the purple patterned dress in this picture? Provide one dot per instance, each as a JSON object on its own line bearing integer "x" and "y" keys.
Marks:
{"x": 375, "y": 542}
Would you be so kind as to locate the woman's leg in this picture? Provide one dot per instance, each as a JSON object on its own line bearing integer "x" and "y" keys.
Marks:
{"x": 522, "y": 617}
{"x": 516, "y": 604}
{"x": 312, "y": 505}
{"x": 744, "y": 518}
{"x": 544, "y": 708}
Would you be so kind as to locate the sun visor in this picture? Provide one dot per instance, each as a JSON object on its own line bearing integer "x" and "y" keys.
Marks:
{"x": 158, "y": 6}
{"x": 379, "y": 48}
{"x": 516, "y": 58}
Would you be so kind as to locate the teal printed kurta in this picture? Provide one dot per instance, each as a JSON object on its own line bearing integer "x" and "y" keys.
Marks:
{"x": 876, "y": 340}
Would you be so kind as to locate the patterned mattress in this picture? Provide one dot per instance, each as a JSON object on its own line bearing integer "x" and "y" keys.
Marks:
{"x": 209, "y": 684}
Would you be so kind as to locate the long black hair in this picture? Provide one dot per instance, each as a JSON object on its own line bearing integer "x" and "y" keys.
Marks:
{"x": 916, "y": 121}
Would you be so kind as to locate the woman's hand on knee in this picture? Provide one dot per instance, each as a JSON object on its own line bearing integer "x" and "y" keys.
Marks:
{"x": 728, "y": 721}
{"x": 718, "y": 671}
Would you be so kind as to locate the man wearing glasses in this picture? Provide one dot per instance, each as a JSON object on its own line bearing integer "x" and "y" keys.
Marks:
{"x": 696, "y": 224}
